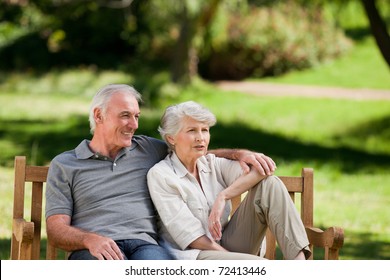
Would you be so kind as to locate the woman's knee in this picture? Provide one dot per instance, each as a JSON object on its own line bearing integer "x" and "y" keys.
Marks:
{"x": 269, "y": 189}
{"x": 273, "y": 180}
{"x": 274, "y": 184}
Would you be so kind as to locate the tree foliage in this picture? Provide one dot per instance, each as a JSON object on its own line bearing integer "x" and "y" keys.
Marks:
{"x": 43, "y": 34}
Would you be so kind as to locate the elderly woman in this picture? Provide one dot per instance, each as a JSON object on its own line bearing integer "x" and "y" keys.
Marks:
{"x": 191, "y": 190}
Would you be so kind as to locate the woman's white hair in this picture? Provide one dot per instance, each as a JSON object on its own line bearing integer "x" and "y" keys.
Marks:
{"x": 103, "y": 96}
{"x": 171, "y": 121}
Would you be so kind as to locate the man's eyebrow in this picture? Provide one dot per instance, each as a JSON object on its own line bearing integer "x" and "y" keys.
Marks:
{"x": 130, "y": 113}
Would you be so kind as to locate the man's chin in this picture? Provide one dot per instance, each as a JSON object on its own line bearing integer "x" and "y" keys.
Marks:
{"x": 127, "y": 143}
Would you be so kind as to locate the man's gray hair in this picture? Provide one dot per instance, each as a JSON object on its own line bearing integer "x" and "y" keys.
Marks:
{"x": 103, "y": 96}
{"x": 171, "y": 121}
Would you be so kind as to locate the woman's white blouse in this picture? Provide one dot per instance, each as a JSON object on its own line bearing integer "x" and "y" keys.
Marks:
{"x": 182, "y": 206}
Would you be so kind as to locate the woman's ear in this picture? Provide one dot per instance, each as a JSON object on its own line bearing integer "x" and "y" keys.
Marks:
{"x": 171, "y": 140}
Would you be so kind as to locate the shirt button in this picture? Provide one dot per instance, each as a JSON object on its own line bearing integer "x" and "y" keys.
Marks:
{"x": 114, "y": 164}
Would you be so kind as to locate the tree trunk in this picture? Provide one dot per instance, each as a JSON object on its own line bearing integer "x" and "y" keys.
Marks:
{"x": 378, "y": 28}
{"x": 181, "y": 59}
{"x": 185, "y": 58}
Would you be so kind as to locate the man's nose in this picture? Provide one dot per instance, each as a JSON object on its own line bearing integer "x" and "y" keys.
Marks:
{"x": 133, "y": 123}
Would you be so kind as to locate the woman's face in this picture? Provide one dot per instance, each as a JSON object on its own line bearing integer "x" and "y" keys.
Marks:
{"x": 192, "y": 140}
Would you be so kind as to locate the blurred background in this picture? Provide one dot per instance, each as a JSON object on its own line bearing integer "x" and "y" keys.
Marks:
{"x": 56, "y": 54}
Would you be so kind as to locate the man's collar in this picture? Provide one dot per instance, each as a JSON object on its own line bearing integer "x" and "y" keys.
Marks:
{"x": 83, "y": 151}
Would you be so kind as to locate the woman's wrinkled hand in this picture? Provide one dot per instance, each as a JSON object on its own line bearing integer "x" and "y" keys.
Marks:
{"x": 214, "y": 223}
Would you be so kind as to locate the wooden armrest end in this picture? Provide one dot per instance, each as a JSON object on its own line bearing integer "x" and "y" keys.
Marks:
{"x": 23, "y": 230}
{"x": 22, "y": 239}
{"x": 332, "y": 237}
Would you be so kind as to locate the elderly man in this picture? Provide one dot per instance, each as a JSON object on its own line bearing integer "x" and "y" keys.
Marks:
{"x": 97, "y": 200}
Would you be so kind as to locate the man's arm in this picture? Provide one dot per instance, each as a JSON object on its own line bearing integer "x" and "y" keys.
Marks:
{"x": 63, "y": 235}
{"x": 262, "y": 163}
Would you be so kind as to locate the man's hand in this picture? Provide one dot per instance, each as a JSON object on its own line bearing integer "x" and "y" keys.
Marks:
{"x": 103, "y": 248}
{"x": 69, "y": 238}
{"x": 262, "y": 163}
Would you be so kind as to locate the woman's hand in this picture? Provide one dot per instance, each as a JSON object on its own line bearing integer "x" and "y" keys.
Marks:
{"x": 214, "y": 222}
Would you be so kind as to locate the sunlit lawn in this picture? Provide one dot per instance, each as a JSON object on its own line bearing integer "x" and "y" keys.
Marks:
{"x": 371, "y": 71}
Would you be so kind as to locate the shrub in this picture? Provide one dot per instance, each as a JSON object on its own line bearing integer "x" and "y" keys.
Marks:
{"x": 270, "y": 41}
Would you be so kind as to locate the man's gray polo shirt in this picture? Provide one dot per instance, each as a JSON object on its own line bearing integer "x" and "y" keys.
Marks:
{"x": 107, "y": 197}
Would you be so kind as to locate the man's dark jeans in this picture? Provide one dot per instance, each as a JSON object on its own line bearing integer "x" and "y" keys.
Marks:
{"x": 132, "y": 249}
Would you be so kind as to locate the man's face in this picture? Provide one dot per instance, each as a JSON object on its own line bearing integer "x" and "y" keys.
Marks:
{"x": 120, "y": 120}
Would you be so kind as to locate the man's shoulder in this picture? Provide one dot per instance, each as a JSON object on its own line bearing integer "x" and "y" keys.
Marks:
{"x": 143, "y": 139}
{"x": 64, "y": 157}
{"x": 71, "y": 155}
{"x": 148, "y": 142}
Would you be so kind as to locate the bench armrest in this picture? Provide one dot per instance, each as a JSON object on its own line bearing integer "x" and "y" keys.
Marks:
{"x": 23, "y": 233}
{"x": 331, "y": 239}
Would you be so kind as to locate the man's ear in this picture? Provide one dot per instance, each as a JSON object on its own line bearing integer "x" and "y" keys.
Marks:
{"x": 97, "y": 113}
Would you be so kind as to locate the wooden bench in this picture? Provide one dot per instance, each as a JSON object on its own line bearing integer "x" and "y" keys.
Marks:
{"x": 27, "y": 240}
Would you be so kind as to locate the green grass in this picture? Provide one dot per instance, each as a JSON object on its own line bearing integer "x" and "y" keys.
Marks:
{"x": 71, "y": 82}
{"x": 362, "y": 67}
